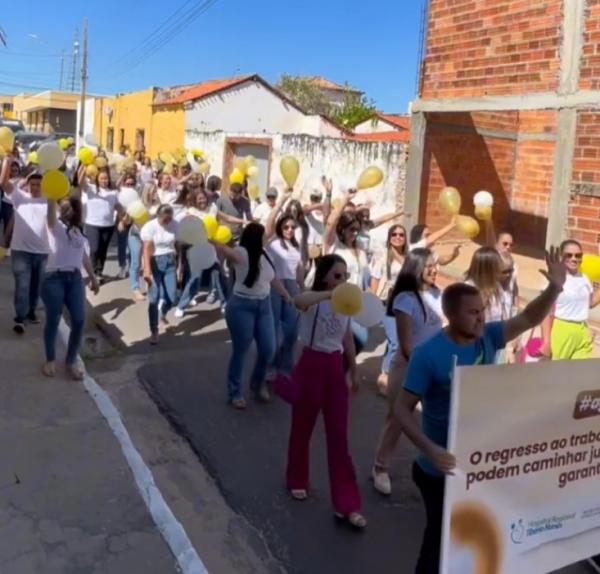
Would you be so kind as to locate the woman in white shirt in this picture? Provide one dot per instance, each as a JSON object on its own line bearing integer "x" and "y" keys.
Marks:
{"x": 323, "y": 385}
{"x": 384, "y": 273}
{"x": 160, "y": 256}
{"x": 199, "y": 208}
{"x": 416, "y": 305}
{"x": 63, "y": 285}
{"x": 249, "y": 315}
{"x": 167, "y": 193}
{"x": 102, "y": 208}
{"x": 284, "y": 250}
{"x": 340, "y": 238}
{"x": 566, "y": 335}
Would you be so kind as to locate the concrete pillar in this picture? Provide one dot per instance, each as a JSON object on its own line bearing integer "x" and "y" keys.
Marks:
{"x": 414, "y": 169}
{"x": 558, "y": 207}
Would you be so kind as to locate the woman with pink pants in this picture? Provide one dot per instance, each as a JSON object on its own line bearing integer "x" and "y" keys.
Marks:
{"x": 323, "y": 376}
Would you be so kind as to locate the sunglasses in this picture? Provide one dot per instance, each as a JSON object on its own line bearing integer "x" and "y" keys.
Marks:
{"x": 338, "y": 276}
{"x": 289, "y": 228}
{"x": 577, "y": 256}
{"x": 397, "y": 235}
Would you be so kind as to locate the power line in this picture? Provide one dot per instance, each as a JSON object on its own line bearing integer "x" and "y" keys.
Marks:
{"x": 28, "y": 54}
{"x": 167, "y": 34}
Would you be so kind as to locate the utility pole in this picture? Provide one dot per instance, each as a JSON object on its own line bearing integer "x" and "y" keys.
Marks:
{"x": 84, "y": 78}
{"x": 75, "y": 61}
{"x": 62, "y": 70}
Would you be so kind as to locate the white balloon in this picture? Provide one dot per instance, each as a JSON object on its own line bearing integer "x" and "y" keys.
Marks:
{"x": 90, "y": 139}
{"x": 127, "y": 196}
{"x": 191, "y": 231}
{"x": 50, "y": 156}
{"x": 201, "y": 257}
{"x": 483, "y": 199}
{"x": 372, "y": 312}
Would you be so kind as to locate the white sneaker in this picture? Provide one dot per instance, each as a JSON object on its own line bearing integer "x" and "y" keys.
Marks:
{"x": 194, "y": 302}
{"x": 179, "y": 313}
{"x": 382, "y": 482}
{"x": 211, "y": 298}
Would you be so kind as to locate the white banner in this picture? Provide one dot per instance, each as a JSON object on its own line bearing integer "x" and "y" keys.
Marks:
{"x": 525, "y": 497}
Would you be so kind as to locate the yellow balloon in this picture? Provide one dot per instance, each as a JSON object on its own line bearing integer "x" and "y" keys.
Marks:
{"x": 590, "y": 267}
{"x": 290, "y": 169}
{"x": 204, "y": 168}
{"x": 86, "y": 156}
{"x": 32, "y": 157}
{"x": 63, "y": 144}
{"x": 71, "y": 140}
{"x": 101, "y": 162}
{"x": 166, "y": 157}
{"x": 370, "y": 177}
{"x": 2, "y": 151}
{"x": 450, "y": 200}
{"x": 168, "y": 169}
{"x": 197, "y": 153}
{"x": 253, "y": 191}
{"x": 252, "y": 171}
{"x": 55, "y": 185}
{"x": 138, "y": 212}
{"x": 347, "y": 299}
{"x": 236, "y": 176}
{"x": 91, "y": 171}
{"x": 182, "y": 162}
{"x": 250, "y": 160}
{"x": 467, "y": 226}
{"x": 222, "y": 235}
{"x": 7, "y": 138}
{"x": 483, "y": 213}
{"x": 241, "y": 165}
{"x": 211, "y": 224}
{"x": 141, "y": 220}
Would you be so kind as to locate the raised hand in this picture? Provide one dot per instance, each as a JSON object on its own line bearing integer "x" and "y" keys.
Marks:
{"x": 556, "y": 272}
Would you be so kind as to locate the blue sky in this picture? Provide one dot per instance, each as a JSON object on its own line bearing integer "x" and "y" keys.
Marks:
{"x": 371, "y": 45}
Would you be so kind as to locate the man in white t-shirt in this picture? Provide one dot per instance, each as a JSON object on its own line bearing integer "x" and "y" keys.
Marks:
{"x": 263, "y": 210}
{"x": 30, "y": 245}
{"x": 315, "y": 218}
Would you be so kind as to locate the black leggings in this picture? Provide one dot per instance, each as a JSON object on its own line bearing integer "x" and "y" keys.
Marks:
{"x": 99, "y": 239}
{"x": 432, "y": 491}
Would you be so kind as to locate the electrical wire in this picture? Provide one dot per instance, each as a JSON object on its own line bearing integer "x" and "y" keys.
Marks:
{"x": 166, "y": 35}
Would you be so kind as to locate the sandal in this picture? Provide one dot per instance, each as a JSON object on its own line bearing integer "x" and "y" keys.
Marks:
{"x": 239, "y": 404}
{"x": 49, "y": 369}
{"x": 75, "y": 372}
{"x": 298, "y": 494}
{"x": 355, "y": 520}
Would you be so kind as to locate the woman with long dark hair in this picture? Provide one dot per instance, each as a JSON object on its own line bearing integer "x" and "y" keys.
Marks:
{"x": 323, "y": 375}
{"x": 249, "y": 314}
{"x": 294, "y": 209}
{"x": 340, "y": 238}
{"x": 63, "y": 284}
{"x": 384, "y": 273}
{"x": 102, "y": 209}
{"x": 415, "y": 303}
{"x": 286, "y": 254}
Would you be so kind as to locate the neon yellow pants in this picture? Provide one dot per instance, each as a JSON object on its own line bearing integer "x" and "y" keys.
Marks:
{"x": 570, "y": 341}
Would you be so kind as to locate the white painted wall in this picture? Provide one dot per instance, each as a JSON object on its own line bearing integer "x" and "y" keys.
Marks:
{"x": 374, "y": 126}
{"x": 342, "y": 160}
{"x": 253, "y": 109}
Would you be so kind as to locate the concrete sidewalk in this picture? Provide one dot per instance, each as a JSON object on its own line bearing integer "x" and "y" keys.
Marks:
{"x": 68, "y": 503}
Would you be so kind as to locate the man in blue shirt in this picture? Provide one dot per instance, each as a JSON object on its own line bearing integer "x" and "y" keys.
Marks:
{"x": 467, "y": 340}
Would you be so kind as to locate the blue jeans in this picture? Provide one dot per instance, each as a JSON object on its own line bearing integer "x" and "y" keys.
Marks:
{"x": 247, "y": 320}
{"x": 360, "y": 335}
{"x": 391, "y": 334}
{"x": 135, "y": 264}
{"x": 164, "y": 281}
{"x": 217, "y": 282}
{"x": 63, "y": 289}
{"x": 285, "y": 317}
{"x": 28, "y": 270}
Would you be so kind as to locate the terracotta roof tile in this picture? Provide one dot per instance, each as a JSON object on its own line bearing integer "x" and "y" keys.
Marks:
{"x": 395, "y": 136}
{"x": 204, "y": 89}
{"x": 402, "y": 122}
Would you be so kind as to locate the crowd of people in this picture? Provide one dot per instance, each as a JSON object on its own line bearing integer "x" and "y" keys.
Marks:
{"x": 274, "y": 282}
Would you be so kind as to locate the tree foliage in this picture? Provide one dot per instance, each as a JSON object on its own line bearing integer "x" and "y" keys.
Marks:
{"x": 312, "y": 100}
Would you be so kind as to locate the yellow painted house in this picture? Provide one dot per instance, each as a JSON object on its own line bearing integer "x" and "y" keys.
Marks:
{"x": 138, "y": 120}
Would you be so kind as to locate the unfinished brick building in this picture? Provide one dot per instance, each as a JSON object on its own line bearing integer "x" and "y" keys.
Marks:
{"x": 509, "y": 101}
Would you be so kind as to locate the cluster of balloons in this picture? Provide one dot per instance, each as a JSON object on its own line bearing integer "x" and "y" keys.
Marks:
{"x": 365, "y": 308}
{"x": 450, "y": 202}
{"x": 246, "y": 168}
{"x": 483, "y": 201}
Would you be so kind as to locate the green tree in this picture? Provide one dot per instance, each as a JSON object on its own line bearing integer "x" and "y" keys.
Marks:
{"x": 354, "y": 111}
{"x": 305, "y": 94}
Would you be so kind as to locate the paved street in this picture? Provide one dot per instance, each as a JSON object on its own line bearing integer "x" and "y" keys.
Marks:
{"x": 221, "y": 472}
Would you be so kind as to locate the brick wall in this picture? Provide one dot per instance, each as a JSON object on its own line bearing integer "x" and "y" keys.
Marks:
{"x": 584, "y": 207}
{"x": 493, "y": 47}
{"x": 590, "y": 62}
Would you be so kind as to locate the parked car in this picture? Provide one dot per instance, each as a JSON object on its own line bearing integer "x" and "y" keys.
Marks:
{"x": 15, "y": 125}
{"x": 31, "y": 140}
